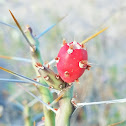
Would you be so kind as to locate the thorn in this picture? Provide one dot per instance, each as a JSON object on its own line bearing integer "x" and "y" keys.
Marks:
{"x": 93, "y": 36}
{"x": 66, "y": 74}
{"x": 8, "y": 25}
{"x": 39, "y": 65}
{"x": 77, "y": 81}
{"x": 83, "y": 63}
{"x": 51, "y": 87}
{"x": 6, "y": 57}
{"x": 70, "y": 50}
{"x": 69, "y": 84}
{"x": 23, "y": 77}
{"x": 57, "y": 76}
{"x": 21, "y": 29}
{"x": 83, "y": 46}
{"x": 42, "y": 67}
{"x": 56, "y": 109}
{"x": 36, "y": 79}
{"x": 48, "y": 66}
{"x": 74, "y": 42}
{"x": 33, "y": 48}
{"x": 46, "y": 78}
{"x": 46, "y": 63}
{"x": 49, "y": 28}
{"x": 71, "y": 46}
{"x": 43, "y": 118}
{"x": 57, "y": 59}
{"x": 38, "y": 76}
{"x": 29, "y": 28}
{"x": 74, "y": 102}
{"x": 34, "y": 123}
{"x": 61, "y": 86}
{"x": 75, "y": 95}
{"x": 15, "y": 58}
{"x": 88, "y": 67}
{"x": 64, "y": 42}
{"x": 34, "y": 85}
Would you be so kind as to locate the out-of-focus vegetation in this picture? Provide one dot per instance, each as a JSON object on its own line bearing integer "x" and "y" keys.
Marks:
{"x": 105, "y": 80}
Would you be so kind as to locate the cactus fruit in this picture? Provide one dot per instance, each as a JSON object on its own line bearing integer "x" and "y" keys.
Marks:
{"x": 71, "y": 61}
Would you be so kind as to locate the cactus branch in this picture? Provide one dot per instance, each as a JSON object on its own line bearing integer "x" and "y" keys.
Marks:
{"x": 26, "y": 114}
{"x": 45, "y": 93}
{"x": 66, "y": 109}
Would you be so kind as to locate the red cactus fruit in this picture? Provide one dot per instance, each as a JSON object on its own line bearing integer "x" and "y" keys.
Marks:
{"x": 71, "y": 61}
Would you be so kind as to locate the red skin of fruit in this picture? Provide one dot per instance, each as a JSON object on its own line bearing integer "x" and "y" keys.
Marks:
{"x": 70, "y": 63}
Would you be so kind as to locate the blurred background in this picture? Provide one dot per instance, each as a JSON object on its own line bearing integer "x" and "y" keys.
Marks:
{"x": 106, "y": 80}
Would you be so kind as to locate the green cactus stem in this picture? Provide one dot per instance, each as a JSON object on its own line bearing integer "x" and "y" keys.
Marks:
{"x": 46, "y": 94}
{"x": 66, "y": 108}
{"x": 52, "y": 79}
{"x": 27, "y": 121}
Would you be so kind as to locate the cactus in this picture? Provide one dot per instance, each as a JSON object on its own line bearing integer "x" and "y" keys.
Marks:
{"x": 72, "y": 60}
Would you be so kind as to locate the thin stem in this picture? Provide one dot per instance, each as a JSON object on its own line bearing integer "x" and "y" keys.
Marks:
{"x": 66, "y": 109}
{"x": 47, "y": 96}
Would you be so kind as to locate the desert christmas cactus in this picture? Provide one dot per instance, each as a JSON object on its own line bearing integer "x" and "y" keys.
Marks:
{"x": 71, "y": 61}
